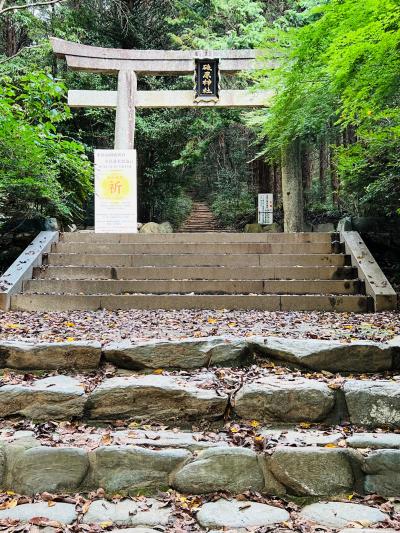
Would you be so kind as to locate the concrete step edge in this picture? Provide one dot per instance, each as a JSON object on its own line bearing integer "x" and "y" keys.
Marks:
{"x": 46, "y": 302}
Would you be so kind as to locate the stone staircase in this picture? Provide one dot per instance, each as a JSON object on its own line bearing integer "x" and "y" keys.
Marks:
{"x": 217, "y": 433}
{"x": 200, "y": 220}
{"x": 277, "y": 272}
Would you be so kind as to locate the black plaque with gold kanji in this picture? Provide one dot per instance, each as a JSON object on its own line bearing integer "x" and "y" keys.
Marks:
{"x": 207, "y": 79}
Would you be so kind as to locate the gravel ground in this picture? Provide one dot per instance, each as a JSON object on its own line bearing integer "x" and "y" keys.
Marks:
{"x": 136, "y": 325}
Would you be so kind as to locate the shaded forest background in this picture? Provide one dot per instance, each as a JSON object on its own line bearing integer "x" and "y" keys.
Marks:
{"x": 338, "y": 103}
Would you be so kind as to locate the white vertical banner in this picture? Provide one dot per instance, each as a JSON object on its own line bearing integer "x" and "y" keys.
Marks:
{"x": 115, "y": 206}
{"x": 265, "y": 209}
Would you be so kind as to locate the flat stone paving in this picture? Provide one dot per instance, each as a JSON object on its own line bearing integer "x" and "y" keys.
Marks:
{"x": 223, "y": 513}
{"x": 338, "y": 514}
{"x": 146, "y": 515}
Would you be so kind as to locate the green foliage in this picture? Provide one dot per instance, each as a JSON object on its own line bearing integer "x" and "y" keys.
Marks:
{"x": 233, "y": 206}
{"x": 218, "y": 24}
{"x": 339, "y": 67}
{"x": 339, "y": 70}
{"x": 41, "y": 172}
{"x": 176, "y": 208}
{"x": 370, "y": 168}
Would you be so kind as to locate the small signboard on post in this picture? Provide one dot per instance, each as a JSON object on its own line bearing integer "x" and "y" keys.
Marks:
{"x": 207, "y": 80}
{"x": 265, "y": 209}
{"x": 115, "y": 191}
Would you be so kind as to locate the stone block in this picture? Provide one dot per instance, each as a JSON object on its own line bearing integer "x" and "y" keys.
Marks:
{"x": 338, "y": 514}
{"x": 188, "y": 353}
{"x": 155, "y": 397}
{"x": 333, "y": 356}
{"x": 375, "y": 441}
{"x": 253, "y": 228}
{"x": 273, "y": 228}
{"x": 228, "y": 469}
{"x": 60, "y": 512}
{"x": 133, "y": 469}
{"x": 274, "y": 400}
{"x": 49, "y": 469}
{"x": 239, "y": 514}
{"x": 148, "y": 512}
{"x": 373, "y": 403}
{"x": 382, "y": 470}
{"x": 2, "y": 463}
{"x": 50, "y": 356}
{"x": 57, "y": 397}
{"x": 153, "y": 227}
{"x": 313, "y": 471}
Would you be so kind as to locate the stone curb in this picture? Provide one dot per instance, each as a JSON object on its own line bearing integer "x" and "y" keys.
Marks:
{"x": 26, "y": 467}
{"x": 334, "y": 356}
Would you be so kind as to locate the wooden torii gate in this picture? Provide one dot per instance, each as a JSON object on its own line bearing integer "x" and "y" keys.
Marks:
{"x": 205, "y": 65}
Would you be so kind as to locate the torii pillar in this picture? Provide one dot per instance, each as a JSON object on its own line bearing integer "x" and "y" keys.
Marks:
{"x": 126, "y": 113}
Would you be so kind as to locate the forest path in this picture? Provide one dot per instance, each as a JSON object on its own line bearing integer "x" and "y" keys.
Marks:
{"x": 201, "y": 219}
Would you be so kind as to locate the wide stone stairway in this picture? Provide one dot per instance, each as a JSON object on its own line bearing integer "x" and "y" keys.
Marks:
{"x": 200, "y": 434}
{"x": 269, "y": 271}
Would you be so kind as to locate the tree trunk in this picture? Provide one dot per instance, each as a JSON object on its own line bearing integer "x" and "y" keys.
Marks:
{"x": 323, "y": 168}
{"x": 10, "y": 37}
{"x": 292, "y": 188}
{"x": 335, "y": 183}
{"x": 306, "y": 165}
{"x": 277, "y": 189}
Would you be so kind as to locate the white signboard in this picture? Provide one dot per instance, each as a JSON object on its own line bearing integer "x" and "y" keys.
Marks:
{"x": 115, "y": 206}
{"x": 265, "y": 208}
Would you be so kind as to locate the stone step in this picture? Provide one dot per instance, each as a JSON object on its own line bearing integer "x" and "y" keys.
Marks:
{"x": 197, "y": 260}
{"x": 184, "y": 398}
{"x": 197, "y": 273}
{"x": 223, "y": 237}
{"x": 202, "y": 225}
{"x": 133, "y": 461}
{"x": 194, "y": 248}
{"x": 200, "y": 215}
{"x": 200, "y": 228}
{"x": 189, "y": 286}
{"x": 202, "y": 231}
{"x": 267, "y": 302}
{"x": 191, "y": 353}
{"x": 200, "y": 218}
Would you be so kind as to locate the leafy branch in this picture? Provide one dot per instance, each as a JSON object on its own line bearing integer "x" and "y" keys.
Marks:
{"x": 4, "y": 10}
{"x": 19, "y": 52}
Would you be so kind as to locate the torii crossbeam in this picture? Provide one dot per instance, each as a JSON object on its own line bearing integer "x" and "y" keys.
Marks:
{"x": 128, "y": 64}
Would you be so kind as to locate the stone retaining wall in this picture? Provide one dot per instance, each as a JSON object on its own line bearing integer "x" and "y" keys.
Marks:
{"x": 181, "y": 400}
{"x": 171, "y": 398}
{"x": 28, "y": 468}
